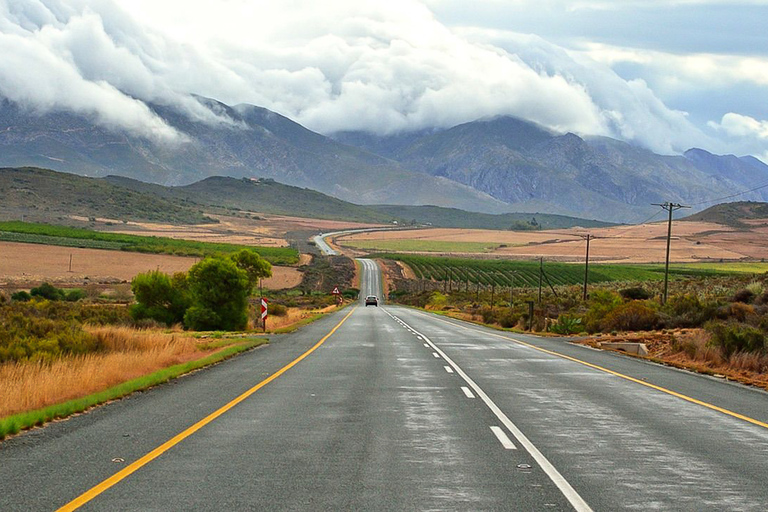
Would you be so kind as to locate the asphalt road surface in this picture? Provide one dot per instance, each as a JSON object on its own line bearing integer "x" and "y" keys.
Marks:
{"x": 397, "y": 409}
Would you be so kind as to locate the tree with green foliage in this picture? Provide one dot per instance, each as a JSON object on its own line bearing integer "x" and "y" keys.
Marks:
{"x": 219, "y": 291}
{"x": 160, "y": 297}
{"x": 254, "y": 266}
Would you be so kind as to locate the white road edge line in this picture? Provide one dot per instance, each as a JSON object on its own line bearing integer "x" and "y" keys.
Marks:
{"x": 447, "y": 368}
{"x": 505, "y": 441}
{"x": 569, "y": 492}
{"x": 466, "y": 391}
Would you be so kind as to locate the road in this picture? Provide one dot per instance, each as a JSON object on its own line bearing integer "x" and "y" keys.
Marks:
{"x": 397, "y": 409}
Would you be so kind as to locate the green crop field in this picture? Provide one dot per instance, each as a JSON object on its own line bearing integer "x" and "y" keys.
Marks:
{"x": 526, "y": 273}
{"x": 421, "y": 245}
{"x": 75, "y": 237}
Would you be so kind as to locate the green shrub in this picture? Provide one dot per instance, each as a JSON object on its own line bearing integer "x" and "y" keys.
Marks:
{"x": 601, "y": 302}
{"x": 632, "y": 316}
{"x": 21, "y": 296}
{"x": 160, "y": 297}
{"x": 635, "y": 293}
{"x": 732, "y": 337}
{"x": 47, "y": 291}
{"x": 756, "y": 287}
{"x": 567, "y": 325}
{"x": 350, "y": 293}
{"x": 437, "y": 300}
{"x": 508, "y": 319}
{"x": 74, "y": 295}
{"x": 687, "y": 310}
{"x": 277, "y": 309}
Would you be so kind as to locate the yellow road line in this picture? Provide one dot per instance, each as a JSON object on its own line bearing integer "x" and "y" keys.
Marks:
{"x": 617, "y": 374}
{"x": 149, "y": 457}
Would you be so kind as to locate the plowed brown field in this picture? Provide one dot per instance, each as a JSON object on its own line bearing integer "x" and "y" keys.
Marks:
{"x": 22, "y": 265}
{"x": 646, "y": 243}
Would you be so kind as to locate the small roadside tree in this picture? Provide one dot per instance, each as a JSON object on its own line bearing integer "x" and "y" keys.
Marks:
{"x": 253, "y": 264}
{"x": 219, "y": 291}
{"x": 160, "y": 297}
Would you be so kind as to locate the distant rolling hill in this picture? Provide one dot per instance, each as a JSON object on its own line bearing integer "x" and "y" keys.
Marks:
{"x": 732, "y": 214}
{"x": 49, "y": 196}
{"x": 453, "y": 218}
{"x": 271, "y": 197}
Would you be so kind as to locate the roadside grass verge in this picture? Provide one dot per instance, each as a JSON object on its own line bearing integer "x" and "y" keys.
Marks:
{"x": 99, "y": 377}
{"x": 28, "y": 232}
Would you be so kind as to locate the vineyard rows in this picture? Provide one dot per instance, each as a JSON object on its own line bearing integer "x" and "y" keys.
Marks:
{"x": 513, "y": 273}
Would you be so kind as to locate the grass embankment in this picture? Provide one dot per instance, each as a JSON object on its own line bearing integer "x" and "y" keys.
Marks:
{"x": 37, "y": 391}
{"x": 28, "y": 232}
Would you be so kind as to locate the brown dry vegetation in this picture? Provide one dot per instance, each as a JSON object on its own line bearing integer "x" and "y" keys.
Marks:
{"x": 691, "y": 349}
{"x": 130, "y": 354}
{"x": 294, "y": 316}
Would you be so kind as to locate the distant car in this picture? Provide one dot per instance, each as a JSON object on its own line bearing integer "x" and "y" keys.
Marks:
{"x": 371, "y": 300}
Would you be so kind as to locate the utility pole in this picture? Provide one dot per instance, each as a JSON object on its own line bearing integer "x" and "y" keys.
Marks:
{"x": 541, "y": 276}
{"x": 670, "y": 207}
{"x": 586, "y": 268}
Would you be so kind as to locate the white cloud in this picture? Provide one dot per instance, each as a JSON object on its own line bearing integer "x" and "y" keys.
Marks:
{"x": 737, "y": 125}
{"x": 336, "y": 65}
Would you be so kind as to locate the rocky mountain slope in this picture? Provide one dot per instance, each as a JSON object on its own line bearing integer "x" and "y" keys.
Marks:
{"x": 256, "y": 143}
{"x": 537, "y": 170}
{"x": 494, "y": 165}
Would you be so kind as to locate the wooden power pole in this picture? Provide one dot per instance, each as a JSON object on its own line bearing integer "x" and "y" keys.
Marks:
{"x": 670, "y": 207}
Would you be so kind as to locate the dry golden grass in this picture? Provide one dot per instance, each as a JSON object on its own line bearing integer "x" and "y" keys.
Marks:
{"x": 292, "y": 316}
{"x": 690, "y": 349}
{"x": 130, "y": 354}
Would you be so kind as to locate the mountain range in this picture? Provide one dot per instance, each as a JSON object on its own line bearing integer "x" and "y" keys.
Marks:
{"x": 493, "y": 165}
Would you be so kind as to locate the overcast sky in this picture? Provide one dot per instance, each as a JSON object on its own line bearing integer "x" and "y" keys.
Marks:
{"x": 667, "y": 75}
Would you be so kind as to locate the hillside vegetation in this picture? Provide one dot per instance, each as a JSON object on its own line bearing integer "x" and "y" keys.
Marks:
{"x": 732, "y": 214}
{"x": 454, "y": 218}
{"x": 42, "y": 194}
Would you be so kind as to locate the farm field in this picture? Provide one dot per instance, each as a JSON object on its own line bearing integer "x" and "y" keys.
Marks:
{"x": 22, "y": 265}
{"x": 691, "y": 242}
{"x": 526, "y": 273}
{"x": 75, "y": 237}
{"x": 411, "y": 245}
{"x": 243, "y": 228}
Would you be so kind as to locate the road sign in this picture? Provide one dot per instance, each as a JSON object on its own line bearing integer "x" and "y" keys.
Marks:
{"x": 264, "y": 309}
{"x": 335, "y": 291}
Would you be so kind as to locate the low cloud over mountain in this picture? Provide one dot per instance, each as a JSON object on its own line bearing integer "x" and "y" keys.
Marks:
{"x": 332, "y": 66}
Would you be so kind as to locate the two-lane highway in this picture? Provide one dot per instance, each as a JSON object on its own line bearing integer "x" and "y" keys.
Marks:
{"x": 390, "y": 408}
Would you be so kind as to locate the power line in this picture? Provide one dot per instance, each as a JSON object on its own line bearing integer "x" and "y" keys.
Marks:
{"x": 764, "y": 185}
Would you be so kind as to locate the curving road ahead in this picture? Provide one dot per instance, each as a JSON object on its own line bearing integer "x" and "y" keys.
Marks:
{"x": 397, "y": 409}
